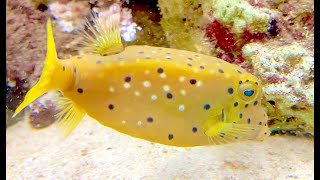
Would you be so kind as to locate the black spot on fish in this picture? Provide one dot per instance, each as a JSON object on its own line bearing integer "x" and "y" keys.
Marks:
{"x": 193, "y": 81}
{"x": 239, "y": 71}
{"x": 236, "y": 137}
{"x": 222, "y": 134}
{"x": 247, "y": 80}
{"x": 201, "y": 67}
{"x": 240, "y": 82}
{"x": 99, "y": 62}
{"x": 127, "y": 79}
{"x": 80, "y": 90}
{"x": 256, "y": 83}
{"x": 190, "y": 58}
{"x": 141, "y": 52}
{"x": 190, "y": 65}
{"x": 206, "y": 106}
{"x": 160, "y": 70}
{"x": 260, "y": 123}
{"x": 235, "y": 104}
{"x": 194, "y": 129}
{"x": 111, "y": 106}
{"x": 74, "y": 69}
{"x": 240, "y": 115}
{"x": 150, "y": 119}
{"x": 255, "y": 103}
{"x": 168, "y": 57}
{"x": 245, "y": 106}
{"x": 221, "y": 71}
{"x": 169, "y": 96}
{"x": 230, "y": 90}
{"x": 170, "y": 136}
{"x": 249, "y": 120}
{"x": 63, "y": 68}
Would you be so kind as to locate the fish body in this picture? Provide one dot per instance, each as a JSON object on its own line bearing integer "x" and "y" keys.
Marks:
{"x": 162, "y": 95}
{"x": 152, "y": 93}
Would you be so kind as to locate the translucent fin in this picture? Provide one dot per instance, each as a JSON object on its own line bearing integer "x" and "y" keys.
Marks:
{"x": 70, "y": 115}
{"x": 44, "y": 85}
{"x": 223, "y": 133}
{"x": 103, "y": 36}
{"x": 221, "y": 128}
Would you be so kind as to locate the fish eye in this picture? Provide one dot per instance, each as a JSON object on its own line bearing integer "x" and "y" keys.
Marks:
{"x": 248, "y": 91}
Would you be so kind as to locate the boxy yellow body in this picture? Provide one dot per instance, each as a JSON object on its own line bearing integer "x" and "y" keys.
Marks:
{"x": 163, "y": 95}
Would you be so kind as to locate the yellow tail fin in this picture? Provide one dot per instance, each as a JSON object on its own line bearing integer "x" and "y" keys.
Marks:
{"x": 44, "y": 84}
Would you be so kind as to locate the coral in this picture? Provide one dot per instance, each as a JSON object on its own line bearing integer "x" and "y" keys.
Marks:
{"x": 287, "y": 71}
{"x": 222, "y": 28}
{"x": 70, "y": 15}
{"x": 238, "y": 15}
{"x": 152, "y": 33}
{"x": 182, "y": 22}
{"x": 213, "y": 27}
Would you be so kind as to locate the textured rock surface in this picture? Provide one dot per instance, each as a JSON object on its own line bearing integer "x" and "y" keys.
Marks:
{"x": 96, "y": 152}
{"x": 278, "y": 34}
{"x": 212, "y": 26}
{"x": 287, "y": 71}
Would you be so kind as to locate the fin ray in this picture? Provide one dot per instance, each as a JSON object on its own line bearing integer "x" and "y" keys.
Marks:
{"x": 223, "y": 133}
{"x": 104, "y": 34}
{"x": 70, "y": 115}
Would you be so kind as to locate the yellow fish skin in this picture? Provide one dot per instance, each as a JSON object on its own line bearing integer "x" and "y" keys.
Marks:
{"x": 162, "y": 95}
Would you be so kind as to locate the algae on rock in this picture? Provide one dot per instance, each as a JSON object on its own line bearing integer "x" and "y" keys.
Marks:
{"x": 287, "y": 71}
{"x": 184, "y": 21}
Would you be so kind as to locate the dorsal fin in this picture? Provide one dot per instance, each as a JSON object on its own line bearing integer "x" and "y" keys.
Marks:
{"x": 103, "y": 36}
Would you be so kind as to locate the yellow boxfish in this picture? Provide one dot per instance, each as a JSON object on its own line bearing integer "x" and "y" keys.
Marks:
{"x": 162, "y": 95}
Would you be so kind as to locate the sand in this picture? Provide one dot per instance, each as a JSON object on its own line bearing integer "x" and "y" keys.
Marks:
{"x": 93, "y": 151}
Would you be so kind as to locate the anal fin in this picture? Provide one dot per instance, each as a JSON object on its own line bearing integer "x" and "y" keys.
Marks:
{"x": 70, "y": 115}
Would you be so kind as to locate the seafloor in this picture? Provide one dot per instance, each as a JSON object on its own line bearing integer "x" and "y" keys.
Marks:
{"x": 93, "y": 151}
